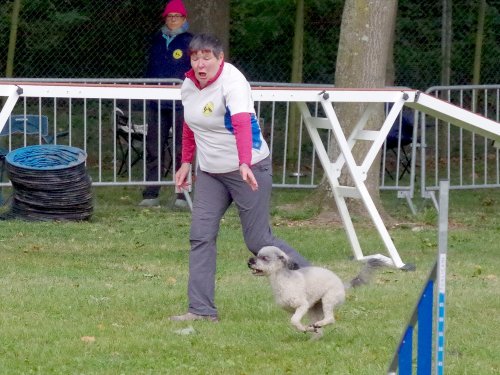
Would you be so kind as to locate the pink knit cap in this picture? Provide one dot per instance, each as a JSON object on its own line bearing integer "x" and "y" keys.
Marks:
{"x": 174, "y": 6}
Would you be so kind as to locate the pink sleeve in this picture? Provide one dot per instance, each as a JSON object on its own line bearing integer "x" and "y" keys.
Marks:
{"x": 188, "y": 144}
{"x": 243, "y": 133}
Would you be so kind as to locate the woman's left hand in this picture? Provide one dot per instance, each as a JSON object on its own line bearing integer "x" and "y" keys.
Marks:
{"x": 247, "y": 176}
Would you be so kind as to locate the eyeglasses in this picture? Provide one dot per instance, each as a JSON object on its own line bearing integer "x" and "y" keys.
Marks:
{"x": 174, "y": 17}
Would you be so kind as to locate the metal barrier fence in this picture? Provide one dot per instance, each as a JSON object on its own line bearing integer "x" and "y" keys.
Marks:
{"x": 467, "y": 160}
{"x": 442, "y": 150}
{"x": 115, "y": 151}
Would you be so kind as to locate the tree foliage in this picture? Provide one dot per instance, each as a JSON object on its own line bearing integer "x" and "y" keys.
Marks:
{"x": 84, "y": 38}
{"x": 418, "y": 43}
{"x": 262, "y": 43}
{"x": 103, "y": 38}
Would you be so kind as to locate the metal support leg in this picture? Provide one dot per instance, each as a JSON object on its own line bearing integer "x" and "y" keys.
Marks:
{"x": 11, "y": 101}
{"x": 358, "y": 174}
{"x": 13, "y": 96}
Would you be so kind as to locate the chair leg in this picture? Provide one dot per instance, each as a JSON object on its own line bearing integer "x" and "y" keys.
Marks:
{"x": 124, "y": 156}
{"x": 405, "y": 163}
{"x": 2, "y": 169}
{"x": 168, "y": 157}
{"x": 389, "y": 173}
{"x": 138, "y": 153}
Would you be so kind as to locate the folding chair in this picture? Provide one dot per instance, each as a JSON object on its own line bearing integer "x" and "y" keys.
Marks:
{"x": 26, "y": 125}
{"x": 130, "y": 138}
{"x": 399, "y": 138}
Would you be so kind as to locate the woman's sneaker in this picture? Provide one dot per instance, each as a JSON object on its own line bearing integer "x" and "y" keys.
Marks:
{"x": 150, "y": 202}
{"x": 181, "y": 203}
{"x": 189, "y": 317}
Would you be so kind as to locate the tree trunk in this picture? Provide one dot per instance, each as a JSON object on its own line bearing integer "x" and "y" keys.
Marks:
{"x": 297, "y": 65}
{"x": 210, "y": 16}
{"x": 446, "y": 42}
{"x": 390, "y": 72}
{"x": 16, "y": 9}
{"x": 476, "y": 76}
{"x": 446, "y": 37}
{"x": 364, "y": 45}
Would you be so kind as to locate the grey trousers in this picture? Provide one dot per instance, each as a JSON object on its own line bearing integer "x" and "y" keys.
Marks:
{"x": 213, "y": 195}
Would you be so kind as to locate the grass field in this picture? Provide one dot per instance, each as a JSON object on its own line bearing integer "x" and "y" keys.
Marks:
{"x": 94, "y": 297}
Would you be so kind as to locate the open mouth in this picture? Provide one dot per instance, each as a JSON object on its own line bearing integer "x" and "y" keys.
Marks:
{"x": 257, "y": 272}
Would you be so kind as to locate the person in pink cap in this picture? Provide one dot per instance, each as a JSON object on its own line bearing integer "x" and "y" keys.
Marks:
{"x": 168, "y": 58}
{"x": 174, "y": 6}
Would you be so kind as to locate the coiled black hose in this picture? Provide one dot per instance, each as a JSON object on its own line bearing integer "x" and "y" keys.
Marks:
{"x": 50, "y": 182}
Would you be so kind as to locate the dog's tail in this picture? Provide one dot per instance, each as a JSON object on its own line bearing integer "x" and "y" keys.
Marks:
{"x": 366, "y": 273}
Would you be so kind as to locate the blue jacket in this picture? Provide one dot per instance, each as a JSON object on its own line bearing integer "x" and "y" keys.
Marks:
{"x": 169, "y": 62}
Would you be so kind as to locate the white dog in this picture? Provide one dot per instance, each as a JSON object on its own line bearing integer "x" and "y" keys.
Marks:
{"x": 314, "y": 291}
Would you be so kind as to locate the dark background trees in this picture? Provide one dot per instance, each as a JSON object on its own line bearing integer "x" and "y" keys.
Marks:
{"x": 103, "y": 38}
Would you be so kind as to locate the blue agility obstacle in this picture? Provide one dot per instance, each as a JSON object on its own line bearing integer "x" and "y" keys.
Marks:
{"x": 424, "y": 314}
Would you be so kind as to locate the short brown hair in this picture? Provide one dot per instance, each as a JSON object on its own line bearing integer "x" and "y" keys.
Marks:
{"x": 206, "y": 43}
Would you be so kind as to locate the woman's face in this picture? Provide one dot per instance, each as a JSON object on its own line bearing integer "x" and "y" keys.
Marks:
{"x": 205, "y": 65}
{"x": 174, "y": 20}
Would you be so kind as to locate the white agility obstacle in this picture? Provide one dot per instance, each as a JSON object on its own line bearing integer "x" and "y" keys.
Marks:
{"x": 326, "y": 98}
{"x": 398, "y": 97}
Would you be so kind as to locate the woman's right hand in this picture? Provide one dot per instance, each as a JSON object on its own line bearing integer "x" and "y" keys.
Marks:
{"x": 181, "y": 176}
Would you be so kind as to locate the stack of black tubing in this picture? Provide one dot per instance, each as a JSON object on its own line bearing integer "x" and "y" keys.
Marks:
{"x": 50, "y": 182}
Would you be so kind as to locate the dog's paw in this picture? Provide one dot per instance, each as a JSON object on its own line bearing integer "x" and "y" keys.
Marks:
{"x": 313, "y": 328}
{"x": 317, "y": 335}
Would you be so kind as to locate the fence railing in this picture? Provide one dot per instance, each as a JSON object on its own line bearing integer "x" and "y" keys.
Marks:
{"x": 115, "y": 150}
{"x": 440, "y": 150}
{"x": 465, "y": 159}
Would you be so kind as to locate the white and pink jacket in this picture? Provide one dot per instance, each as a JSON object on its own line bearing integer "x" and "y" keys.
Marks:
{"x": 220, "y": 122}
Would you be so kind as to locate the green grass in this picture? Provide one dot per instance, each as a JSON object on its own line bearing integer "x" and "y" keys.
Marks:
{"x": 94, "y": 297}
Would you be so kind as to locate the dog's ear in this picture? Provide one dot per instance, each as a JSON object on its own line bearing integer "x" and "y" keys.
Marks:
{"x": 290, "y": 264}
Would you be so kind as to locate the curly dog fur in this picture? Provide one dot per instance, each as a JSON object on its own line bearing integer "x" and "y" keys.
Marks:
{"x": 312, "y": 291}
